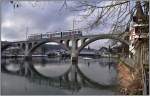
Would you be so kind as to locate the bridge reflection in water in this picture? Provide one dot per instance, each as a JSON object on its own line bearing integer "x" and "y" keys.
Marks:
{"x": 97, "y": 74}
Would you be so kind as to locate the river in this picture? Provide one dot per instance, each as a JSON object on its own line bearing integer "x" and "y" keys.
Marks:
{"x": 94, "y": 73}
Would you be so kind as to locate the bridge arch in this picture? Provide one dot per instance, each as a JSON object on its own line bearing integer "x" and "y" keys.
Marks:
{"x": 4, "y": 47}
{"x": 9, "y": 45}
{"x": 18, "y": 44}
{"x": 84, "y": 40}
{"x": 29, "y": 45}
{"x": 23, "y": 46}
{"x": 34, "y": 43}
{"x": 62, "y": 41}
{"x": 78, "y": 43}
{"x": 69, "y": 43}
{"x": 44, "y": 42}
{"x": 103, "y": 36}
{"x": 34, "y": 47}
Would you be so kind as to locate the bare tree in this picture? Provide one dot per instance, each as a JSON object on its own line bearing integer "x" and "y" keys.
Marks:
{"x": 104, "y": 12}
{"x": 118, "y": 13}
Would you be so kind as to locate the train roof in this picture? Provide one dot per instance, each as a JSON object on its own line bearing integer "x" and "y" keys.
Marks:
{"x": 56, "y": 32}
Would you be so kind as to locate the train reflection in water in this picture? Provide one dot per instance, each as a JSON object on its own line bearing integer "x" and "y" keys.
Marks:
{"x": 93, "y": 73}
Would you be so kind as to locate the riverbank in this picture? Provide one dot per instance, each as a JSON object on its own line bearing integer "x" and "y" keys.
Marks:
{"x": 129, "y": 80}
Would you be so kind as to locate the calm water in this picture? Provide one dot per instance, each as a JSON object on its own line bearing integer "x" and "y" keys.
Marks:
{"x": 89, "y": 77}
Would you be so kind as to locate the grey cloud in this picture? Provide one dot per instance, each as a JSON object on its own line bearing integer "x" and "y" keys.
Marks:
{"x": 38, "y": 19}
{"x": 8, "y": 34}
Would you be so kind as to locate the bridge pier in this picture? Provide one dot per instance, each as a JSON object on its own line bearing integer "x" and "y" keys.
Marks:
{"x": 74, "y": 56}
{"x": 74, "y": 60}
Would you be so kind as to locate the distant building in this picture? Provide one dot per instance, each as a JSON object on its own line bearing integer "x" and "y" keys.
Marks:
{"x": 103, "y": 51}
{"x": 11, "y": 50}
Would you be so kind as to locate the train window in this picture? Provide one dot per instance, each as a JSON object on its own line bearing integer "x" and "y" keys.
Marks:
{"x": 44, "y": 35}
{"x": 58, "y": 33}
{"x": 64, "y": 33}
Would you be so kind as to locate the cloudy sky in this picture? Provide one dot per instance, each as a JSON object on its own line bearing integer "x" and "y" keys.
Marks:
{"x": 40, "y": 17}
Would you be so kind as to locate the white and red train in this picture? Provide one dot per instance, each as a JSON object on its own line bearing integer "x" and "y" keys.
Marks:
{"x": 53, "y": 35}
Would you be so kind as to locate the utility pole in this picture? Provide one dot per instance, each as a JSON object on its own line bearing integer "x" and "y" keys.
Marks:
{"x": 73, "y": 23}
{"x": 27, "y": 32}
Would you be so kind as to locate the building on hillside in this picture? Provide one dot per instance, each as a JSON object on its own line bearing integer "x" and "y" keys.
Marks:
{"x": 139, "y": 45}
{"x": 138, "y": 31}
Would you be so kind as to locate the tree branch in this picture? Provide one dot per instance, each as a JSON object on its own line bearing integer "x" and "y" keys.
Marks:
{"x": 86, "y": 4}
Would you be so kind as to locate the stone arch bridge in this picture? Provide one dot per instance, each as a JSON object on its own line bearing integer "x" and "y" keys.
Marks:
{"x": 74, "y": 49}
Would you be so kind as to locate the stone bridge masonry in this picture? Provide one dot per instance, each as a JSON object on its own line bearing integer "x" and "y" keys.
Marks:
{"x": 29, "y": 46}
